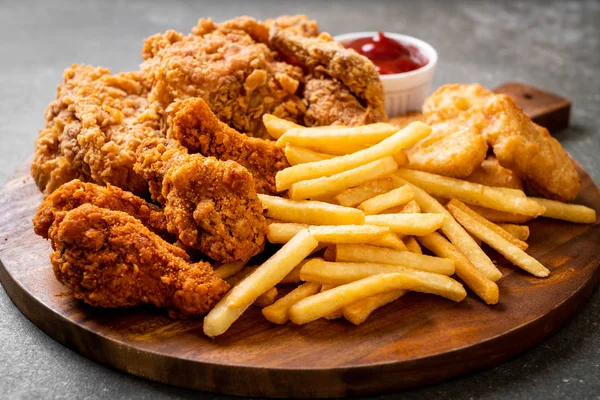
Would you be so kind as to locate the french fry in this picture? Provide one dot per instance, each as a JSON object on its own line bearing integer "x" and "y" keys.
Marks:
{"x": 266, "y": 276}
{"x": 512, "y": 253}
{"x": 328, "y": 255}
{"x": 321, "y": 304}
{"x": 334, "y": 314}
{"x": 348, "y": 233}
{"x": 412, "y": 245}
{"x": 310, "y": 212}
{"x": 490, "y": 225}
{"x": 282, "y": 232}
{"x": 370, "y": 254}
{"x": 390, "y": 241}
{"x": 323, "y": 139}
{"x": 408, "y": 224}
{"x": 412, "y": 207}
{"x": 354, "y": 196}
{"x": 277, "y": 126}
{"x": 472, "y": 193}
{"x": 567, "y": 212}
{"x": 239, "y": 276}
{"x": 277, "y": 312}
{"x": 496, "y": 216}
{"x": 294, "y": 275}
{"x": 267, "y": 298}
{"x": 335, "y": 184}
{"x": 486, "y": 289}
{"x": 393, "y": 198}
{"x": 229, "y": 269}
{"x": 359, "y": 311}
{"x": 457, "y": 235}
{"x": 387, "y": 147}
{"x": 521, "y": 232}
{"x": 299, "y": 155}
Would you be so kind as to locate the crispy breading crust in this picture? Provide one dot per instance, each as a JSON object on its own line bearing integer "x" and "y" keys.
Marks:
{"x": 93, "y": 129}
{"x": 211, "y": 205}
{"x": 491, "y": 173}
{"x": 75, "y": 193}
{"x": 197, "y": 128}
{"x": 110, "y": 259}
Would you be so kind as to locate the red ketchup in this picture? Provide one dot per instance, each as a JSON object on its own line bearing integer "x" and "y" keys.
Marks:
{"x": 388, "y": 55}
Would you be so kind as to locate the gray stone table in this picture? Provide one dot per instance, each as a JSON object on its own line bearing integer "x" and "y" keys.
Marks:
{"x": 552, "y": 45}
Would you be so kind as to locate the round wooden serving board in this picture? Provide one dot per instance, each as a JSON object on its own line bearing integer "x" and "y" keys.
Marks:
{"x": 419, "y": 340}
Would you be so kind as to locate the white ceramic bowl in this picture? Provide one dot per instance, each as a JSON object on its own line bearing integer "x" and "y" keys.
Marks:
{"x": 404, "y": 92}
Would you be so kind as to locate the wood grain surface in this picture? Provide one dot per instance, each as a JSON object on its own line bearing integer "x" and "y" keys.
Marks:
{"x": 418, "y": 340}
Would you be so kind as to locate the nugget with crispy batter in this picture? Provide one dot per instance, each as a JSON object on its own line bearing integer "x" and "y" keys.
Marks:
{"x": 75, "y": 193}
{"x": 491, "y": 173}
{"x": 110, "y": 259}
{"x": 519, "y": 144}
{"x": 197, "y": 128}
{"x": 529, "y": 150}
{"x": 454, "y": 148}
{"x": 211, "y": 205}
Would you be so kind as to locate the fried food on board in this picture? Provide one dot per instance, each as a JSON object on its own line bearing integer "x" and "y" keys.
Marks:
{"x": 197, "y": 128}
{"x": 491, "y": 173}
{"x": 210, "y": 205}
{"x": 455, "y": 148}
{"x": 518, "y": 143}
{"x": 330, "y": 62}
{"x": 402, "y": 121}
{"x": 110, "y": 259}
{"x": 75, "y": 193}
{"x": 93, "y": 129}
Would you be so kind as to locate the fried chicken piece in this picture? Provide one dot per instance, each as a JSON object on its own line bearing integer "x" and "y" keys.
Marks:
{"x": 491, "y": 173}
{"x": 325, "y": 58}
{"x": 75, "y": 193}
{"x": 110, "y": 259}
{"x": 518, "y": 143}
{"x": 331, "y": 103}
{"x": 402, "y": 121}
{"x": 241, "y": 79}
{"x": 454, "y": 148}
{"x": 196, "y": 127}
{"x": 93, "y": 129}
{"x": 529, "y": 150}
{"x": 211, "y": 205}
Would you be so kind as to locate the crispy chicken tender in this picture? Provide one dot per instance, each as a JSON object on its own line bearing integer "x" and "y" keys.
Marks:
{"x": 211, "y": 205}
{"x": 93, "y": 129}
{"x": 325, "y": 58}
{"x": 110, "y": 259}
{"x": 518, "y": 143}
{"x": 491, "y": 173}
{"x": 75, "y": 193}
{"x": 454, "y": 148}
{"x": 196, "y": 127}
{"x": 241, "y": 79}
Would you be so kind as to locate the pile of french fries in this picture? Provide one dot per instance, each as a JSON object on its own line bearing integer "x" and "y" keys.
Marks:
{"x": 352, "y": 200}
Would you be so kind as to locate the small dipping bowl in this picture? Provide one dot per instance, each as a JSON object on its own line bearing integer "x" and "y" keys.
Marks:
{"x": 406, "y": 91}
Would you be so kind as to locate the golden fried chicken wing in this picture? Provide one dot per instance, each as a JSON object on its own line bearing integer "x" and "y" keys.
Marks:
{"x": 325, "y": 58}
{"x": 454, "y": 148}
{"x": 93, "y": 129}
{"x": 196, "y": 127}
{"x": 240, "y": 78}
{"x": 211, "y": 205}
{"x": 110, "y": 259}
{"x": 75, "y": 193}
{"x": 491, "y": 173}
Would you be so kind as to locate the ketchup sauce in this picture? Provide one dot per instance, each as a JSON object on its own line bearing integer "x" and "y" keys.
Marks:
{"x": 389, "y": 55}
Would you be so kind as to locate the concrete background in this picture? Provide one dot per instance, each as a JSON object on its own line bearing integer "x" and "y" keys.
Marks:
{"x": 552, "y": 45}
